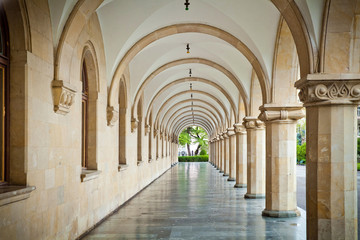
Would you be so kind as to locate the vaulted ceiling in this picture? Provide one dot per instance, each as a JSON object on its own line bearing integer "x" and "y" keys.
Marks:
{"x": 253, "y": 22}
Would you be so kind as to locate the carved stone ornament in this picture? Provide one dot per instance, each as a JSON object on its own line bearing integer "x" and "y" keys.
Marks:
{"x": 252, "y": 123}
{"x": 225, "y": 135}
{"x": 239, "y": 128}
{"x": 325, "y": 89}
{"x": 156, "y": 132}
{"x": 230, "y": 131}
{"x": 112, "y": 116}
{"x": 63, "y": 96}
{"x": 134, "y": 124}
{"x": 147, "y": 129}
{"x": 271, "y": 112}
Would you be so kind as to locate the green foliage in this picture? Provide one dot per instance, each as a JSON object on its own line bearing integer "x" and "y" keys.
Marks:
{"x": 358, "y": 166}
{"x": 301, "y": 131}
{"x": 301, "y": 154}
{"x": 194, "y": 135}
{"x": 203, "y": 152}
{"x": 184, "y": 138}
{"x": 203, "y": 158}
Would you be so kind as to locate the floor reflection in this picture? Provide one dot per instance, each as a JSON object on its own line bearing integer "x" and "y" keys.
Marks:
{"x": 194, "y": 201}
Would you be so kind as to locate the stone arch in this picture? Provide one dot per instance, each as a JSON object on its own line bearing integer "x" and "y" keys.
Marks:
{"x": 166, "y": 66}
{"x": 305, "y": 44}
{"x": 20, "y": 45}
{"x": 223, "y": 91}
{"x": 179, "y": 127}
{"x": 201, "y": 92}
{"x": 222, "y": 121}
{"x": 188, "y": 125}
{"x": 79, "y": 16}
{"x": 176, "y": 117}
{"x": 186, "y": 28}
{"x": 218, "y": 121}
{"x": 89, "y": 60}
{"x": 339, "y": 49}
{"x": 285, "y": 67}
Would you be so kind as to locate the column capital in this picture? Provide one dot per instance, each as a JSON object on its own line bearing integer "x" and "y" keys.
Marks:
{"x": 230, "y": 131}
{"x": 329, "y": 89}
{"x": 253, "y": 123}
{"x": 134, "y": 124}
{"x": 280, "y": 112}
{"x": 156, "y": 132}
{"x": 225, "y": 135}
{"x": 147, "y": 129}
{"x": 239, "y": 128}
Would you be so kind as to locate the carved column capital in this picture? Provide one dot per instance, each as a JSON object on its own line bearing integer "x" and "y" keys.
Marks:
{"x": 112, "y": 116}
{"x": 230, "y": 132}
{"x": 147, "y": 129}
{"x": 329, "y": 89}
{"x": 63, "y": 96}
{"x": 224, "y": 135}
{"x": 253, "y": 123}
{"x": 156, "y": 132}
{"x": 239, "y": 128}
{"x": 134, "y": 124}
{"x": 273, "y": 112}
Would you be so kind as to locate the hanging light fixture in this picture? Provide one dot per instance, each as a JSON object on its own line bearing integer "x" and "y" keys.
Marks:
{"x": 190, "y": 72}
{"x": 188, "y": 48}
{"x": 190, "y": 86}
{"x": 186, "y": 5}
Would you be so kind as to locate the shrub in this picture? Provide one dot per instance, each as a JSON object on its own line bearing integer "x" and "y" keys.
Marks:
{"x": 358, "y": 166}
{"x": 358, "y": 148}
{"x": 203, "y": 158}
{"x": 203, "y": 152}
{"x": 301, "y": 154}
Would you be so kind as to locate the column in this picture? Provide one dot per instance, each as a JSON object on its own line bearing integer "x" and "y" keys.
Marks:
{"x": 255, "y": 157}
{"x": 280, "y": 124}
{"x": 241, "y": 156}
{"x": 226, "y": 154}
{"x": 232, "y": 152}
{"x": 156, "y": 135}
{"x": 217, "y": 153}
{"x": 331, "y": 174}
{"x": 221, "y": 153}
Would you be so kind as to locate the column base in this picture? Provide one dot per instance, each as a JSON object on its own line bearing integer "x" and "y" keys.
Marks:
{"x": 230, "y": 179}
{"x": 240, "y": 185}
{"x": 221, "y": 171}
{"x": 281, "y": 214}
{"x": 225, "y": 175}
{"x": 254, "y": 196}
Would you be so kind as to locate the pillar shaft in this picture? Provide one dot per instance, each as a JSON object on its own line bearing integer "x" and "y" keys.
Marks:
{"x": 331, "y": 178}
{"x": 221, "y": 157}
{"x": 241, "y": 156}
{"x": 232, "y": 152}
{"x": 255, "y": 158}
{"x": 281, "y": 159}
{"x": 226, "y": 154}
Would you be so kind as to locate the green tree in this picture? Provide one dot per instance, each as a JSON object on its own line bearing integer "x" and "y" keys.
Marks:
{"x": 195, "y": 135}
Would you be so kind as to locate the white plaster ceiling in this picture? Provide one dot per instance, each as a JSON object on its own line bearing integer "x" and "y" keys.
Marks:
{"x": 124, "y": 22}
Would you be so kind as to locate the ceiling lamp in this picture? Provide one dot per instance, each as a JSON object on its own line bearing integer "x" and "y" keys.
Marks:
{"x": 186, "y": 5}
{"x": 190, "y": 72}
{"x": 188, "y": 48}
{"x": 190, "y": 86}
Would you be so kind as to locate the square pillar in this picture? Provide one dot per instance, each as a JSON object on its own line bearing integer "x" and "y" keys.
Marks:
{"x": 221, "y": 155}
{"x": 226, "y": 154}
{"x": 255, "y": 157}
{"x": 232, "y": 152}
{"x": 331, "y": 173}
{"x": 281, "y": 159}
{"x": 241, "y": 156}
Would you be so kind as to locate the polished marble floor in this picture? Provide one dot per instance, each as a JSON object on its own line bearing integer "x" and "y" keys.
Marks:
{"x": 194, "y": 201}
